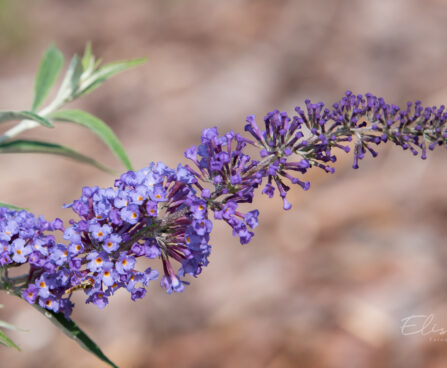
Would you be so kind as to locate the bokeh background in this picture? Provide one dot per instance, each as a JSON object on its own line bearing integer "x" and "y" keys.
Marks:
{"x": 323, "y": 285}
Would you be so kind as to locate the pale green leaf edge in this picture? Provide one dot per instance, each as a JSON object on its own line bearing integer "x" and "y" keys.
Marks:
{"x": 29, "y": 146}
{"x": 98, "y": 127}
{"x": 47, "y": 75}
{"x": 5, "y": 340}
{"x": 22, "y": 115}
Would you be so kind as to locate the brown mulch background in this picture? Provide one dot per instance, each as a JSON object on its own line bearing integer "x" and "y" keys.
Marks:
{"x": 323, "y": 285}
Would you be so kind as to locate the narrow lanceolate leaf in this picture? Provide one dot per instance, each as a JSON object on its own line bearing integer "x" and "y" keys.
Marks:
{"x": 12, "y": 207}
{"x": 22, "y": 115}
{"x": 5, "y": 340}
{"x": 98, "y": 127}
{"x": 70, "y": 82}
{"x": 9, "y": 326}
{"x": 28, "y": 146}
{"x": 87, "y": 59}
{"x": 47, "y": 74}
{"x": 103, "y": 73}
{"x": 71, "y": 329}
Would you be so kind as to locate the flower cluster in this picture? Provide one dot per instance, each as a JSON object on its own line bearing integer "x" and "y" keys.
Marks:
{"x": 158, "y": 212}
{"x": 282, "y": 137}
{"x": 25, "y": 239}
{"x": 307, "y": 140}
{"x": 151, "y": 213}
{"x": 222, "y": 163}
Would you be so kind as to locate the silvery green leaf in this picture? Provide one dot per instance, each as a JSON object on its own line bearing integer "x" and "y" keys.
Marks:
{"x": 5, "y": 340}
{"x": 98, "y": 127}
{"x": 9, "y": 326}
{"x": 88, "y": 59}
{"x": 22, "y": 115}
{"x": 47, "y": 74}
{"x": 70, "y": 82}
{"x": 29, "y": 146}
{"x": 103, "y": 73}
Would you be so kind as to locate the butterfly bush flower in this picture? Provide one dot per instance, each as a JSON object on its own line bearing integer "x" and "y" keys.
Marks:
{"x": 27, "y": 239}
{"x": 162, "y": 213}
{"x": 222, "y": 163}
{"x": 150, "y": 213}
{"x": 290, "y": 146}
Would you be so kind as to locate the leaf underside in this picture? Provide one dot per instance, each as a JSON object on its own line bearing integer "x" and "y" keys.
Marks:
{"x": 98, "y": 127}
{"x": 47, "y": 75}
{"x": 29, "y": 146}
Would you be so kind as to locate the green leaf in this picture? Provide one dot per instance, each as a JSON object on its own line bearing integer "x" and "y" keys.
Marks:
{"x": 71, "y": 329}
{"x": 22, "y": 115}
{"x": 107, "y": 71}
{"x": 5, "y": 340}
{"x": 11, "y": 207}
{"x": 47, "y": 74}
{"x": 87, "y": 58}
{"x": 9, "y": 326}
{"x": 98, "y": 127}
{"x": 72, "y": 76}
{"x": 28, "y": 146}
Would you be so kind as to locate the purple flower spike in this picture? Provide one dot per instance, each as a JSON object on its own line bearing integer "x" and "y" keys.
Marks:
{"x": 162, "y": 214}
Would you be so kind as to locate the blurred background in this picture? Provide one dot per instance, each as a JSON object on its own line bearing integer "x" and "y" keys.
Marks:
{"x": 323, "y": 285}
